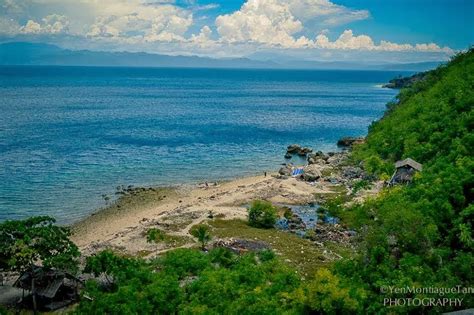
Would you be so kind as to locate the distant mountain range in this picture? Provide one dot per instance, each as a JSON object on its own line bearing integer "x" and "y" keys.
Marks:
{"x": 23, "y": 53}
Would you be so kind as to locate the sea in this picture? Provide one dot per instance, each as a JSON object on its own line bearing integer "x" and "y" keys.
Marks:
{"x": 69, "y": 135}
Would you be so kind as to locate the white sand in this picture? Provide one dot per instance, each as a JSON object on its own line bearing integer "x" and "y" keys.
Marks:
{"x": 125, "y": 230}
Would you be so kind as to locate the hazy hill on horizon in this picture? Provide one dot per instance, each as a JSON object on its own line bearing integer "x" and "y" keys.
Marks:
{"x": 25, "y": 53}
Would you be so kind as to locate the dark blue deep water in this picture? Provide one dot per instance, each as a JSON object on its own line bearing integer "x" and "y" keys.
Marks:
{"x": 70, "y": 134}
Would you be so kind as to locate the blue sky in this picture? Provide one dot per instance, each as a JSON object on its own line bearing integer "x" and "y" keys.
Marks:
{"x": 445, "y": 22}
{"x": 371, "y": 30}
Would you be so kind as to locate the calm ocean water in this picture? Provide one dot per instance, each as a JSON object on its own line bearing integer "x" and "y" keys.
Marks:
{"x": 70, "y": 134}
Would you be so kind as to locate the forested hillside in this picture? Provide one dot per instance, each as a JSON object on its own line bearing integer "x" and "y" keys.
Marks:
{"x": 421, "y": 234}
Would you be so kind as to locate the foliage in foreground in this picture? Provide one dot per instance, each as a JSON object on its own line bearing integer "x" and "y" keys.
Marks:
{"x": 419, "y": 235}
{"x": 188, "y": 281}
{"x": 24, "y": 243}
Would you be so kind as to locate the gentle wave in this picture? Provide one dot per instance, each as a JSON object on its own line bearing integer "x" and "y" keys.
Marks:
{"x": 67, "y": 136}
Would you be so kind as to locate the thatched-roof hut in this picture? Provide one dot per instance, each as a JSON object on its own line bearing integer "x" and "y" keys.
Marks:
{"x": 54, "y": 289}
{"x": 404, "y": 171}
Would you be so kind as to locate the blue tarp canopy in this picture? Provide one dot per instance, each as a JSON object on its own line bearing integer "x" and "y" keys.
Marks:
{"x": 297, "y": 171}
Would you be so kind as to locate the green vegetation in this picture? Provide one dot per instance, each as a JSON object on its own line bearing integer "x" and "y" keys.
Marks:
{"x": 201, "y": 232}
{"x": 155, "y": 235}
{"x": 421, "y": 234}
{"x": 262, "y": 214}
{"x": 24, "y": 243}
{"x": 360, "y": 185}
{"x": 298, "y": 252}
{"x": 219, "y": 282}
{"x": 418, "y": 235}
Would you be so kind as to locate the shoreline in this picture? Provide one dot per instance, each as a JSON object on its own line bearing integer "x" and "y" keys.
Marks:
{"x": 123, "y": 225}
{"x": 121, "y": 201}
{"x": 100, "y": 211}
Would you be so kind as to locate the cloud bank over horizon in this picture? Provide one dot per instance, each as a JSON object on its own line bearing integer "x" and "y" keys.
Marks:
{"x": 294, "y": 27}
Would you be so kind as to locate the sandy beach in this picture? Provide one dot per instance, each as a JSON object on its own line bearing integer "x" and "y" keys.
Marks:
{"x": 122, "y": 226}
{"x": 124, "y": 229}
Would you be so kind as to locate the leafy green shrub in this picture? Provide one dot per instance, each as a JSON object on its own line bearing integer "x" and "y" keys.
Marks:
{"x": 360, "y": 185}
{"x": 25, "y": 242}
{"x": 262, "y": 214}
{"x": 266, "y": 255}
{"x": 183, "y": 262}
{"x": 287, "y": 214}
{"x": 187, "y": 281}
{"x": 327, "y": 295}
{"x": 223, "y": 257}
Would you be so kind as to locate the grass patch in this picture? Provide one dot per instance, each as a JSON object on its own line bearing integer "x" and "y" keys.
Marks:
{"x": 143, "y": 253}
{"x": 176, "y": 226}
{"x": 339, "y": 189}
{"x": 301, "y": 253}
{"x": 155, "y": 235}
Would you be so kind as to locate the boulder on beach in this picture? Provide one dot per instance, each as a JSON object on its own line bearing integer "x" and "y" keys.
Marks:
{"x": 285, "y": 170}
{"x": 317, "y": 154}
{"x": 311, "y": 173}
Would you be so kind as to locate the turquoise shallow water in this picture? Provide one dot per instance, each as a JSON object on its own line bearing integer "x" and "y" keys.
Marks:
{"x": 70, "y": 134}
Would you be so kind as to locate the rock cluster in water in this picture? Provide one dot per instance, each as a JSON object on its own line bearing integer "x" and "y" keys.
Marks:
{"x": 297, "y": 149}
{"x": 348, "y": 142}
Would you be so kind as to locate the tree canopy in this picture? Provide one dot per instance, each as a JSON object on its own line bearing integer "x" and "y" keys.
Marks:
{"x": 36, "y": 239}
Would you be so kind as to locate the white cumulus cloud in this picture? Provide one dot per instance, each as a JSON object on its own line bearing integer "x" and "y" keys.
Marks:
{"x": 276, "y": 22}
{"x": 325, "y": 12}
{"x": 123, "y": 20}
{"x": 260, "y": 21}
{"x": 162, "y": 26}
{"x": 348, "y": 41}
{"x": 51, "y": 24}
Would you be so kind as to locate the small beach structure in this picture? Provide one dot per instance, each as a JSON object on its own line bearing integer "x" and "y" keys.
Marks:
{"x": 54, "y": 289}
{"x": 297, "y": 172}
{"x": 404, "y": 171}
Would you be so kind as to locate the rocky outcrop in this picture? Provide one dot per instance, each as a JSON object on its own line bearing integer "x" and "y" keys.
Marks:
{"x": 241, "y": 246}
{"x": 297, "y": 149}
{"x": 285, "y": 170}
{"x": 351, "y": 172}
{"x": 324, "y": 232}
{"x": 312, "y": 173}
{"x": 403, "y": 82}
{"x": 296, "y": 223}
{"x": 348, "y": 142}
{"x": 304, "y": 151}
{"x": 317, "y": 158}
{"x": 293, "y": 148}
